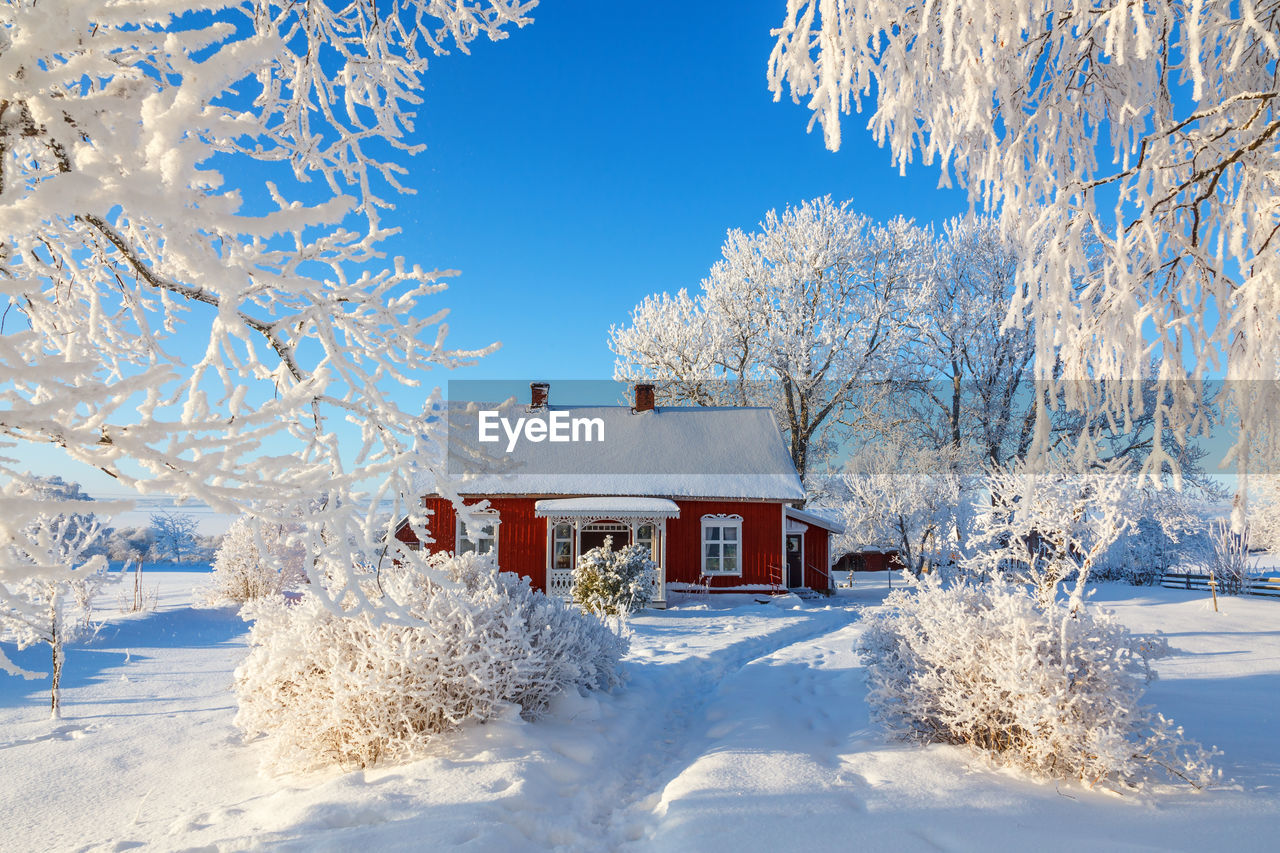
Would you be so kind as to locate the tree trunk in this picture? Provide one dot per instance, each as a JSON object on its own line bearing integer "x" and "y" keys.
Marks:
{"x": 55, "y": 697}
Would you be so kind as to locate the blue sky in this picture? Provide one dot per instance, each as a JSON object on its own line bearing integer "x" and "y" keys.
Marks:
{"x": 597, "y": 156}
{"x": 600, "y": 155}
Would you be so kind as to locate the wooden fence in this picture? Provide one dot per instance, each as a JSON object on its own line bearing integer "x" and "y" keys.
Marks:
{"x": 1269, "y": 586}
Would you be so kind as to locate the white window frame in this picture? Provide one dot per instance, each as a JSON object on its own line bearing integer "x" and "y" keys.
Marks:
{"x": 652, "y": 539}
{"x": 489, "y": 519}
{"x": 721, "y": 523}
{"x": 572, "y": 539}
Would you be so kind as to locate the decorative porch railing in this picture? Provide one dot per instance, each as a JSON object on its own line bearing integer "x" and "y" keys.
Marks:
{"x": 560, "y": 583}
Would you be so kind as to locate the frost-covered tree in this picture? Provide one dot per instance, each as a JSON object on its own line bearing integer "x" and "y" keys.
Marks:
{"x": 1170, "y": 528}
{"x": 175, "y": 534}
{"x": 909, "y": 496}
{"x": 256, "y": 560}
{"x": 129, "y": 543}
{"x": 798, "y": 315}
{"x": 1264, "y": 515}
{"x": 1049, "y": 519}
{"x": 50, "y": 579}
{"x": 1136, "y": 145}
{"x": 965, "y": 373}
{"x": 190, "y": 262}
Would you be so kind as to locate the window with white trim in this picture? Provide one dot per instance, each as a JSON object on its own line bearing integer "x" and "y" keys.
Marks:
{"x": 480, "y": 536}
{"x": 722, "y": 545}
{"x": 645, "y": 538}
{"x": 562, "y": 546}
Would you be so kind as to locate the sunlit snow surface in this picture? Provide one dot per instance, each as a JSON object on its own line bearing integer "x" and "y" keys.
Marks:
{"x": 743, "y": 727}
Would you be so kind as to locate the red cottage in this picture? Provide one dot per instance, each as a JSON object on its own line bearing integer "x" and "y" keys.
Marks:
{"x": 710, "y": 491}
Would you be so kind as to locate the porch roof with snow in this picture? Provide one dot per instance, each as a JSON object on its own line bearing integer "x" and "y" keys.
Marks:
{"x": 668, "y": 452}
{"x": 611, "y": 506}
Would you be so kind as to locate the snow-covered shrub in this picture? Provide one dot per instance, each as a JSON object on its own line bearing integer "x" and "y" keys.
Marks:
{"x": 1229, "y": 558}
{"x": 613, "y": 583}
{"x": 1049, "y": 688}
{"x": 328, "y": 688}
{"x": 1143, "y": 555}
{"x": 255, "y": 560}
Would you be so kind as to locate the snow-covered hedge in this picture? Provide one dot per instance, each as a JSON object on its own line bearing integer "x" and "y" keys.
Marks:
{"x": 326, "y": 688}
{"x": 254, "y": 561}
{"x": 1050, "y": 689}
{"x": 613, "y": 583}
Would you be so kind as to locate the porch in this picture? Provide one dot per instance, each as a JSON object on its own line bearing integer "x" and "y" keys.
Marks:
{"x": 576, "y": 525}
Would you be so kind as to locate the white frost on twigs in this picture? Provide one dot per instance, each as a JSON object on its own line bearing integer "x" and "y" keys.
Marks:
{"x": 207, "y": 189}
{"x": 1134, "y": 146}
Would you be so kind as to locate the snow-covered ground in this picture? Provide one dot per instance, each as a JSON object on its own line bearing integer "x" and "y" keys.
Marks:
{"x": 743, "y": 727}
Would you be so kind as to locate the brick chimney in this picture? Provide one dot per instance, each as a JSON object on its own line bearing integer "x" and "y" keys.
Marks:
{"x": 644, "y": 398}
{"x": 539, "y": 394}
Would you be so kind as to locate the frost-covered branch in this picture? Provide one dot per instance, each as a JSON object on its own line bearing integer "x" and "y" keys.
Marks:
{"x": 1149, "y": 131}
{"x": 194, "y": 293}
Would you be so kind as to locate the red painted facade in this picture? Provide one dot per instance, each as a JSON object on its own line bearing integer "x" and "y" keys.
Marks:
{"x": 522, "y": 537}
{"x": 817, "y": 558}
{"x": 522, "y": 540}
{"x": 761, "y": 542}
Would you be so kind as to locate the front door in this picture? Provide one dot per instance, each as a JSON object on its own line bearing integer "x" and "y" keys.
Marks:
{"x": 795, "y": 556}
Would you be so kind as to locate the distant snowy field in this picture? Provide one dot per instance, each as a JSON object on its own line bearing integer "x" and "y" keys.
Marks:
{"x": 743, "y": 727}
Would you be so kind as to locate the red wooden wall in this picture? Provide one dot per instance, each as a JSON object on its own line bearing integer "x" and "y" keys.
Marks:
{"x": 522, "y": 539}
{"x": 817, "y": 561}
{"x": 761, "y": 542}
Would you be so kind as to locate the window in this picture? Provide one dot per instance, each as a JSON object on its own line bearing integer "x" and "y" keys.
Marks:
{"x": 721, "y": 545}
{"x": 562, "y": 546}
{"x": 645, "y": 539}
{"x": 480, "y": 536}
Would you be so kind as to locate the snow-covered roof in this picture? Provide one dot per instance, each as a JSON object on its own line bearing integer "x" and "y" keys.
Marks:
{"x": 618, "y": 507}
{"x": 822, "y": 517}
{"x": 680, "y": 452}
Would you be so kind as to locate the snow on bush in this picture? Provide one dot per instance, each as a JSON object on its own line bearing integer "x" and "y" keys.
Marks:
{"x": 1229, "y": 558}
{"x": 613, "y": 583}
{"x": 1046, "y": 687}
{"x": 332, "y": 688}
{"x": 256, "y": 559}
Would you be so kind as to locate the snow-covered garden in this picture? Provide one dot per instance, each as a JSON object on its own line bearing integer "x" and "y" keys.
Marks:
{"x": 201, "y": 302}
{"x": 742, "y": 726}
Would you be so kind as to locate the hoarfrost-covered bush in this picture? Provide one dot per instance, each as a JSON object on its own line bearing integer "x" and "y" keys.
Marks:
{"x": 1229, "y": 558}
{"x": 1046, "y": 688}
{"x": 613, "y": 583}
{"x": 328, "y": 688}
{"x": 255, "y": 560}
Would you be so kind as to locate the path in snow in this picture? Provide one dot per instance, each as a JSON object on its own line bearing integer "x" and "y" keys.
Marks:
{"x": 742, "y": 728}
{"x": 584, "y": 777}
